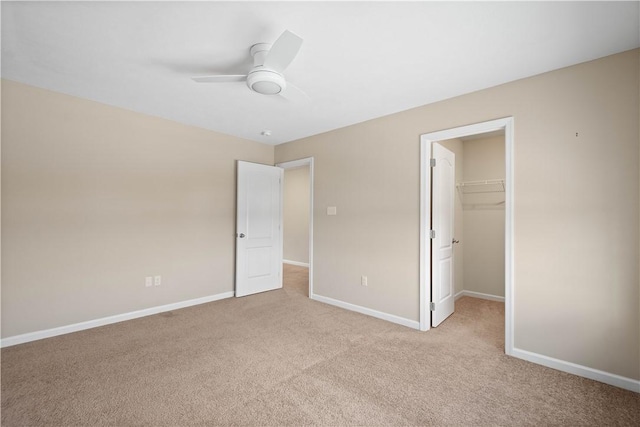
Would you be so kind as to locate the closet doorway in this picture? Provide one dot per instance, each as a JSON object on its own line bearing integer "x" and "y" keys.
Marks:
{"x": 479, "y": 215}
{"x": 298, "y": 224}
{"x": 482, "y": 218}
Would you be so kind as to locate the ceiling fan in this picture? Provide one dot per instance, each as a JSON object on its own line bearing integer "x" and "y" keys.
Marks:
{"x": 269, "y": 61}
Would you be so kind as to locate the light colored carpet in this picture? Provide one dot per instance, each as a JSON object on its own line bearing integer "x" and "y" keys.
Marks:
{"x": 278, "y": 358}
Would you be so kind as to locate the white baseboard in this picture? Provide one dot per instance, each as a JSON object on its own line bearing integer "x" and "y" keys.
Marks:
{"x": 369, "y": 312}
{"x": 479, "y": 295}
{"x": 48, "y": 333}
{"x": 575, "y": 369}
{"x": 299, "y": 264}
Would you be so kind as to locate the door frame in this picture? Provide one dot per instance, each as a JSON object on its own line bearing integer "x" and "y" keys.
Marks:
{"x": 426, "y": 140}
{"x": 307, "y": 161}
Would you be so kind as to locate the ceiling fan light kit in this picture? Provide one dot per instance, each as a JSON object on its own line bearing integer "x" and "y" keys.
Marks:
{"x": 266, "y": 82}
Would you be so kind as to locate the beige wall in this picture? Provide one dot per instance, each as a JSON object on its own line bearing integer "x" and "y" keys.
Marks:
{"x": 95, "y": 198}
{"x": 576, "y": 208}
{"x": 484, "y": 217}
{"x": 456, "y": 146}
{"x": 296, "y": 215}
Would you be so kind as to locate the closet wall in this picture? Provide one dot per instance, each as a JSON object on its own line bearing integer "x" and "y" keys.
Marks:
{"x": 479, "y": 215}
{"x": 483, "y": 216}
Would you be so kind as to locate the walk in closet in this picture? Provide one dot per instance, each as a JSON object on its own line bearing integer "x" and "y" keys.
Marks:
{"x": 479, "y": 215}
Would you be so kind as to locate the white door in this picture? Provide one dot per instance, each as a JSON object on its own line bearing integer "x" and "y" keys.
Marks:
{"x": 258, "y": 228}
{"x": 442, "y": 211}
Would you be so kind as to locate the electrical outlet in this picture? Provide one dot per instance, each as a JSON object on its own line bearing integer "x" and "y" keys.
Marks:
{"x": 148, "y": 281}
{"x": 157, "y": 280}
{"x": 363, "y": 281}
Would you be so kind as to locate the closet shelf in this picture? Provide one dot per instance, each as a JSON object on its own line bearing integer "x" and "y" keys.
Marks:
{"x": 486, "y": 186}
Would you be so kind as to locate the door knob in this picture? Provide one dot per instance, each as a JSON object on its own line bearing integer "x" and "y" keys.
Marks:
{"x": 455, "y": 241}
{"x": 241, "y": 235}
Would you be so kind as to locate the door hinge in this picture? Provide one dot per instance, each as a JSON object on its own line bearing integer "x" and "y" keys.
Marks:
{"x": 432, "y": 306}
{"x": 432, "y": 163}
{"x": 432, "y": 234}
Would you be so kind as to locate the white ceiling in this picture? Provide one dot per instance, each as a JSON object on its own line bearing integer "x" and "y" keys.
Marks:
{"x": 359, "y": 60}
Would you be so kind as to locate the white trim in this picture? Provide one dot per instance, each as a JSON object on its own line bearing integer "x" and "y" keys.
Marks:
{"x": 509, "y": 233}
{"x": 425, "y": 209}
{"x": 369, "y": 312}
{"x": 61, "y": 330}
{"x": 293, "y": 164}
{"x": 297, "y": 164}
{"x": 479, "y": 295}
{"x": 298, "y": 263}
{"x": 575, "y": 369}
{"x": 426, "y": 140}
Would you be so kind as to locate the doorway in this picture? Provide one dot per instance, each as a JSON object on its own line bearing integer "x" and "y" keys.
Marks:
{"x": 479, "y": 215}
{"x": 492, "y": 128}
{"x": 298, "y": 219}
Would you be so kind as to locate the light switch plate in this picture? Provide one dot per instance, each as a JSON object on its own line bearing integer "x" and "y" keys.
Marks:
{"x": 332, "y": 210}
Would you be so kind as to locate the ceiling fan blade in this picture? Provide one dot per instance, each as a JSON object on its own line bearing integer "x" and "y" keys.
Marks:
{"x": 283, "y": 51}
{"x": 294, "y": 93}
{"x": 220, "y": 78}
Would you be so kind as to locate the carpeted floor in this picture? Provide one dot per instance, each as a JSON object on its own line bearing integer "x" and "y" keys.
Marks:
{"x": 278, "y": 358}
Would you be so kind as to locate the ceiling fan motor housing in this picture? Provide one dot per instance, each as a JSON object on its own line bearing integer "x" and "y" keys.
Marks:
{"x": 261, "y": 79}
